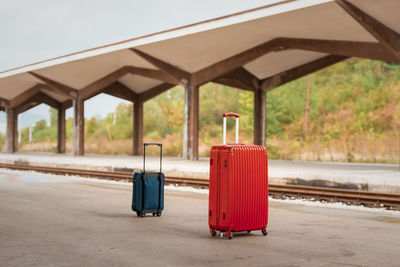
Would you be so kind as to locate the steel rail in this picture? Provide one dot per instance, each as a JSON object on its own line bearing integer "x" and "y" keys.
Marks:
{"x": 371, "y": 199}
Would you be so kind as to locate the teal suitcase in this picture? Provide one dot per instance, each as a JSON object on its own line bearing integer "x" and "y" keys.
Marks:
{"x": 148, "y": 188}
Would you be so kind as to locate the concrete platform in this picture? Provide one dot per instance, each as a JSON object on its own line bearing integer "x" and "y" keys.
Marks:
{"x": 50, "y": 220}
{"x": 372, "y": 177}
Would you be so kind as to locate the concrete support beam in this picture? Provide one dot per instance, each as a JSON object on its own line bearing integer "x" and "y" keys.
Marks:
{"x": 61, "y": 131}
{"x": 239, "y": 78}
{"x": 55, "y": 86}
{"x": 284, "y": 77}
{"x": 11, "y": 136}
{"x": 191, "y": 123}
{"x": 138, "y": 128}
{"x": 389, "y": 38}
{"x": 260, "y": 97}
{"x": 78, "y": 131}
{"x": 177, "y": 75}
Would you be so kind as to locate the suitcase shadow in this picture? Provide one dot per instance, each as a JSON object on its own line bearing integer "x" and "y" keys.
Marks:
{"x": 114, "y": 215}
{"x": 238, "y": 235}
{"x": 202, "y": 233}
{"x": 123, "y": 215}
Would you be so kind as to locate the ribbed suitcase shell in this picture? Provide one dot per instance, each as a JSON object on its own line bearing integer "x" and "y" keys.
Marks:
{"x": 238, "y": 196}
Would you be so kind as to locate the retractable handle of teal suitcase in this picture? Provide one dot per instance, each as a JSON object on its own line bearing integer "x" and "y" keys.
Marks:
{"x": 230, "y": 114}
{"x": 144, "y": 154}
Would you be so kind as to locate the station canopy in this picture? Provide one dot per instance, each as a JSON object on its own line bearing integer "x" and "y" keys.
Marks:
{"x": 259, "y": 48}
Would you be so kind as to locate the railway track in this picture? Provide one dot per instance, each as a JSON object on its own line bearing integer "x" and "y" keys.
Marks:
{"x": 370, "y": 199}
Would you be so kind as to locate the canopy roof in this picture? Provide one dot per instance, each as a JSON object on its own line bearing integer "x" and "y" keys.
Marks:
{"x": 255, "y": 49}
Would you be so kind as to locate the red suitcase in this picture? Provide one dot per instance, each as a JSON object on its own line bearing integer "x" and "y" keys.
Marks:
{"x": 238, "y": 191}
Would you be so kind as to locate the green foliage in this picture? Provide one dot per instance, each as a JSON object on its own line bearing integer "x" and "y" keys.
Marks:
{"x": 163, "y": 115}
{"x": 217, "y": 99}
{"x": 41, "y": 132}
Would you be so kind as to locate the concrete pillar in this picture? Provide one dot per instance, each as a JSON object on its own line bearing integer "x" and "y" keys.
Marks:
{"x": 260, "y": 97}
{"x": 191, "y": 123}
{"x": 138, "y": 128}
{"x": 79, "y": 124}
{"x": 12, "y": 131}
{"x": 61, "y": 131}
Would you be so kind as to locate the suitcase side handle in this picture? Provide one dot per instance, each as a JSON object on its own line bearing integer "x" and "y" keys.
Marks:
{"x": 230, "y": 114}
{"x": 144, "y": 154}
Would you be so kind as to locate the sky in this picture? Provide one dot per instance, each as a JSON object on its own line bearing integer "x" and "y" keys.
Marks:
{"x": 33, "y": 31}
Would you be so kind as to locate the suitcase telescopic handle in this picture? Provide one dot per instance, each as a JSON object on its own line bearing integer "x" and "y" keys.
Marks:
{"x": 144, "y": 154}
{"x": 230, "y": 114}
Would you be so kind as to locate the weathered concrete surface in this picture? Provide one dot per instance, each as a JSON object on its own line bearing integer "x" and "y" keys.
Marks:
{"x": 372, "y": 177}
{"x": 50, "y": 221}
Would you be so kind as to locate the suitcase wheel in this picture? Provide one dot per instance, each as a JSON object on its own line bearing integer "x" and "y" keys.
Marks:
{"x": 229, "y": 235}
{"x": 159, "y": 214}
{"x": 139, "y": 213}
{"x": 264, "y": 231}
{"x": 248, "y": 232}
{"x": 154, "y": 214}
{"x": 213, "y": 232}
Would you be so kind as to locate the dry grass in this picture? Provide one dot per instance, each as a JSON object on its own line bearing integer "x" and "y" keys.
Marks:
{"x": 357, "y": 149}
{"x": 38, "y": 147}
{"x": 102, "y": 145}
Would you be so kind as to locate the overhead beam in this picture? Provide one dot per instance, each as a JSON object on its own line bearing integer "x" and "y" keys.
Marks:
{"x": 4, "y": 103}
{"x": 155, "y": 91}
{"x": 232, "y": 83}
{"x": 98, "y": 86}
{"x": 37, "y": 99}
{"x": 67, "y": 104}
{"x": 386, "y": 36}
{"x": 26, "y": 106}
{"x": 279, "y": 79}
{"x": 56, "y": 86}
{"x": 18, "y": 100}
{"x": 227, "y": 65}
{"x": 239, "y": 78}
{"x": 119, "y": 90}
{"x": 369, "y": 50}
{"x": 152, "y": 74}
{"x": 179, "y": 76}
{"x": 46, "y": 99}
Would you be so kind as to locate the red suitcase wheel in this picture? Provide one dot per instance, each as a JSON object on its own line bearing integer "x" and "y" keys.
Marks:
{"x": 229, "y": 235}
{"x": 213, "y": 232}
{"x": 264, "y": 231}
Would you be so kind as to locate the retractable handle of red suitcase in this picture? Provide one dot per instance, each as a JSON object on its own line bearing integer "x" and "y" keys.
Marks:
{"x": 144, "y": 154}
{"x": 230, "y": 114}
